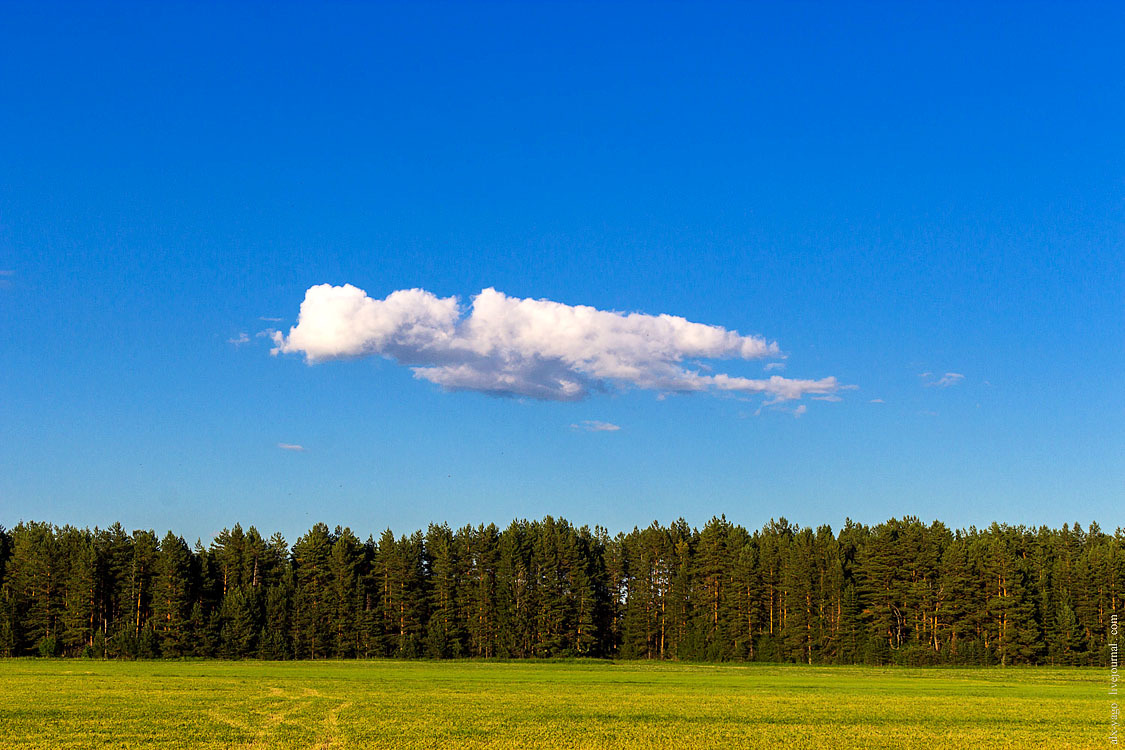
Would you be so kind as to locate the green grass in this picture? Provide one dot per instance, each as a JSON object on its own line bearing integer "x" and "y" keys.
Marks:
{"x": 385, "y": 704}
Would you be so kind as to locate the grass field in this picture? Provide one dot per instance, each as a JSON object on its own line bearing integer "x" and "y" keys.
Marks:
{"x": 383, "y": 704}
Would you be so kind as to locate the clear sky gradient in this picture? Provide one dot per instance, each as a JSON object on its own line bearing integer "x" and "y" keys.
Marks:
{"x": 884, "y": 191}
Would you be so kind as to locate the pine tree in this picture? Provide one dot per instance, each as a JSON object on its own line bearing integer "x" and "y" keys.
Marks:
{"x": 480, "y": 551}
{"x": 34, "y": 581}
{"x": 205, "y": 623}
{"x": 344, "y": 576}
{"x": 400, "y": 566}
{"x": 80, "y": 590}
{"x": 830, "y": 580}
{"x": 227, "y": 553}
{"x": 516, "y": 596}
{"x": 142, "y": 569}
{"x": 255, "y": 559}
{"x": 882, "y": 572}
{"x": 445, "y": 633}
{"x": 798, "y": 581}
{"x": 313, "y": 609}
{"x": 647, "y": 576}
{"x": 369, "y": 604}
{"x": 240, "y": 623}
{"x": 773, "y": 547}
{"x": 115, "y": 550}
{"x": 713, "y": 580}
{"x": 274, "y": 641}
{"x": 172, "y": 596}
{"x": 586, "y": 577}
{"x": 1010, "y": 608}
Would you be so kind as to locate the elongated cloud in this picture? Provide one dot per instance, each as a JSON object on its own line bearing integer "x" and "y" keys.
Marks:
{"x": 945, "y": 381}
{"x": 593, "y": 425}
{"x": 526, "y": 347}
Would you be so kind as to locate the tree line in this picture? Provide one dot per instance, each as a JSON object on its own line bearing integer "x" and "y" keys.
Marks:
{"x": 900, "y": 592}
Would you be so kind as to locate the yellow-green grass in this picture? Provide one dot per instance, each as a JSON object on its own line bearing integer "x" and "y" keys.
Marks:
{"x": 390, "y": 704}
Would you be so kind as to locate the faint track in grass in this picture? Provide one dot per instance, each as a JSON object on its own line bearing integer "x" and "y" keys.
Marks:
{"x": 332, "y": 724}
{"x": 263, "y": 730}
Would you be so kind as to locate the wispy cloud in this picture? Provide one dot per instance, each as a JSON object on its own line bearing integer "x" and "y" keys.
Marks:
{"x": 774, "y": 366}
{"x": 876, "y": 401}
{"x": 592, "y": 425}
{"x": 271, "y": 320}
{"x": 6, "y": 275}
{"x": 240, "y": 339}
{"x": 526, "y": 347}
{"x": 291, "y": 447}
{"x": 800, "y": 410}
{"x": 945, "y": 381}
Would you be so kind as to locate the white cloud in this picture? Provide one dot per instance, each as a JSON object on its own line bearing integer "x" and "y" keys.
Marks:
{"x": 291, "y": 447}
{"x": 526, "y": 347}
{"x": 239, "y": 340}
{"x": 876, "y": 401}
{"x": 271, "y": 320}
{"x": 800, "y": 410}
{"x": 774, "y": 366}
{"x": 592, "y": 425}
{"x": 946, "y": 380}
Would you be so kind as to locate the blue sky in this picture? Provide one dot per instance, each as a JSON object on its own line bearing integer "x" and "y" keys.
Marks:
{"x": 882, "y": 191}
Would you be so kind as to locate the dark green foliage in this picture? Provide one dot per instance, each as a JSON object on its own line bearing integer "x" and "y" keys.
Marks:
{"x": 240, "y": 623}
{"x": 81, "y": 574}
{"x": 899, "y": 592}
{"x": 273, "y": 639}
{"x": 401, "y": 575}
{"x": 33, "y": 587}
{"x": 171, "y": 606}
{"x": 479, "y": 550}
{"x": 445, "y": 632}
{"x": 313, "y": 607}
{"x": 138, "y": 637}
